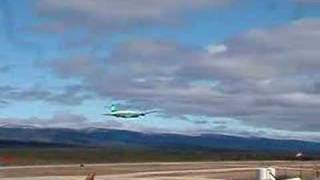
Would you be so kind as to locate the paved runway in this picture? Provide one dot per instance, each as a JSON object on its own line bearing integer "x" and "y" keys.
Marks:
{"x": 156, "y": 175}
{"x": 149, "y": 171}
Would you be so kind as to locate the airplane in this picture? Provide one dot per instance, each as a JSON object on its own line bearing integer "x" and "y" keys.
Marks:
{"x": 126, "y": 113}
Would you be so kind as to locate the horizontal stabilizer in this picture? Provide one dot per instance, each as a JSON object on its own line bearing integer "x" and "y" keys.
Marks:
{"x": 150, "y": 112}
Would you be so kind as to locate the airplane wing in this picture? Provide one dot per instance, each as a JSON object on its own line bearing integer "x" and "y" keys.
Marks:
{"x": 107, "y": 114}
{"x": 150, "y": 112}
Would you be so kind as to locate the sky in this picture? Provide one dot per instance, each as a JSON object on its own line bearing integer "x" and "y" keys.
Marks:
{"x": 237, "y": 67}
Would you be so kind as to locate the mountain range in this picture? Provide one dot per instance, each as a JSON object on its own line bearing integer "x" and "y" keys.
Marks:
{"x": 16, "y": 136}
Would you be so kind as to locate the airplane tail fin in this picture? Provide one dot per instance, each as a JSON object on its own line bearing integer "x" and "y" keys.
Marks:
{"x": 113, "y": 108}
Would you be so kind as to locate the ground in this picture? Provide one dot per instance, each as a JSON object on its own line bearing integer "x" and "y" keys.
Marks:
{"x": 241, "y": 170}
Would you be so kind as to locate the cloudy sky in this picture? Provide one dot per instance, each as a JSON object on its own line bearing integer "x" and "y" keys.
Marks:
{"x": 240, "y": 67}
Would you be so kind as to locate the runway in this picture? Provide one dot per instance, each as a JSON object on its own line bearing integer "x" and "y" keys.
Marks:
{"x": 156, "y": 175}
{"x": 150, "y": 171}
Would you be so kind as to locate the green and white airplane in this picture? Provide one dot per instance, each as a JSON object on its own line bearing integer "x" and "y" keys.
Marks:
{"x": 126, "y": 113}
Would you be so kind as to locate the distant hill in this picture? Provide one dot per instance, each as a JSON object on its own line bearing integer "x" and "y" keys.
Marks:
{"x": 30, "y": 144}
{"x": 93, "y": 137}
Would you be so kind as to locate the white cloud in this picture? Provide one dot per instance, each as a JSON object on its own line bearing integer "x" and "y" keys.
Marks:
{"x": 109, "y": 15}
{"x": 266, "y": 78}
{"x": 215, "y": 49}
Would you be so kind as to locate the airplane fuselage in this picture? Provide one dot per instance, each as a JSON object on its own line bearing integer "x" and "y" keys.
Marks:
{"x": 126, "y": 114}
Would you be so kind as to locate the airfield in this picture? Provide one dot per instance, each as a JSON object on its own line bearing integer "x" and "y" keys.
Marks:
{"x": 236, "y": 170}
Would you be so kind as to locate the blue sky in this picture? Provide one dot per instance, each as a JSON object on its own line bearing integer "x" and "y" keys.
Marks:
{"x": 68, "y": 59}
